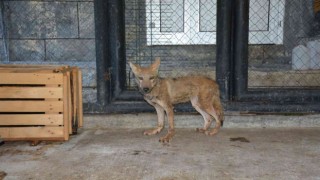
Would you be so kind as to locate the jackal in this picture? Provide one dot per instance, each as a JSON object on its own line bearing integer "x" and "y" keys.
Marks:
{"x": 163, "y": 93}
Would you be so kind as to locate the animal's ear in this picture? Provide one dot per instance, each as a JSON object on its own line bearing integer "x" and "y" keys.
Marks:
{"x": 156, "y": 64}
{"x": 134, "y": 67}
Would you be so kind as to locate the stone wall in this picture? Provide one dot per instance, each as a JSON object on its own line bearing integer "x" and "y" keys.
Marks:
{"x": 51, "y": 32}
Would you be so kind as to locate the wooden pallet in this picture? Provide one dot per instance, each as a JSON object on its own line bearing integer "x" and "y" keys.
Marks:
{"x": 39, "y": 102}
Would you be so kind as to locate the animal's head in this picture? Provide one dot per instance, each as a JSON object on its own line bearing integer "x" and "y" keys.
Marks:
{"x": 146, "y": 77}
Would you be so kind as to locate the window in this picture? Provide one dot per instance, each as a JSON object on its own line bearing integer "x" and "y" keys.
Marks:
{"x": 183, "y": 22}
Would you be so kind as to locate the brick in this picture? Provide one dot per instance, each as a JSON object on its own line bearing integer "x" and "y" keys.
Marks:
{"x": 26, "y": 50}
{"x": 71, "y": 50}
{"x": 2, "y": 51}
{"x": 300, "y": 58}
{"x": 86, "y": 20}
{"x": 89, "y": 95}
{"x": 255, "y": 52}
{"x": 34, "y": 19}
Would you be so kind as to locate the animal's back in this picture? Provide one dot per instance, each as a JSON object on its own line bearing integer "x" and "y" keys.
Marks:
{"x": 181, "y": 89}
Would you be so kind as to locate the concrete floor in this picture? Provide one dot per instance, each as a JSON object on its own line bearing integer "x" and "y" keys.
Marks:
{"x": 101, "y": 153}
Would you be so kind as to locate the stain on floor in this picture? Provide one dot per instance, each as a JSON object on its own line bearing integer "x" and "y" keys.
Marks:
{"x": 240, "y": 139}
{"x": 2, "y": 175}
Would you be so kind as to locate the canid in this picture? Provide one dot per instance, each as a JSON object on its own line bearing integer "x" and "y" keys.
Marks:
{"x": 163, "y": 93}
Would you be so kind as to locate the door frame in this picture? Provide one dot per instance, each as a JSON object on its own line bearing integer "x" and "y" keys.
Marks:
{"x": 233, "y": 74}
{"x": 231, "y": 66}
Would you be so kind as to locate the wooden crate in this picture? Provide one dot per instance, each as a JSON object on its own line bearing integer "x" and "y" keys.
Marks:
{"x": 38, "y": 102}
{"x": 316, "y": 6}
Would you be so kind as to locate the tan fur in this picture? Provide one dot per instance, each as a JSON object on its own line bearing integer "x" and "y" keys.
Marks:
{"x": 163, "y": 93}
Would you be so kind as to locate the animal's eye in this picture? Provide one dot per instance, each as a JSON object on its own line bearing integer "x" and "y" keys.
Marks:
{"x": 140, "y": 78}
{"x": 152, "y": 78}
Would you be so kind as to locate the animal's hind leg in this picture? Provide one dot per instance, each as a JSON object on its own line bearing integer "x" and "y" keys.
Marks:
{"x": 206, "y": 117}
{"x": 217, "y": 113}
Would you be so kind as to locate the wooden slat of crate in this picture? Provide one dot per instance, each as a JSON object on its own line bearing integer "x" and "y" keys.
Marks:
{"x": 31, "y": 78}
{"x": 75, "y": 99}
{"x": 39, "y": 68}
{"x": 66, "y": 107}
{"x": 31, "y": 106}
{"x": 31, "y": 92}
{"x": 80, "y": 103}
{"x": 30, "y": 68}
{"x": 30, "y": 133}
{"x": 77, "y": 96}
{"x": 69, "y": 99}
{"x": 31, "y": 119}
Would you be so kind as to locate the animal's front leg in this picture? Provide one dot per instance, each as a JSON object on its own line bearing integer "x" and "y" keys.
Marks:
{"x": 171, "y": 131}
{"x": 160, "y": 114}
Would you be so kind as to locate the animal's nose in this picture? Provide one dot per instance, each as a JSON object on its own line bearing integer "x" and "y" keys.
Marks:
{"x": 146, "y": 89}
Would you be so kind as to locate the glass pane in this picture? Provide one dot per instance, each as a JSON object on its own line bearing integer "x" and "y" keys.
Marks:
{"x": 259, "y": 15}
{"x": 171, "y": 12}
{"x": 208, "y": 15}
{"x": 296, "y": 62}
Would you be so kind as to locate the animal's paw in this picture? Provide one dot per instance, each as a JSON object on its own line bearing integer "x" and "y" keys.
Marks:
{"x": 201, "y": 130}
{"x": 152, "y": 131}
{"x": 167, "y": 137}
{"x": 212, "y": 132}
